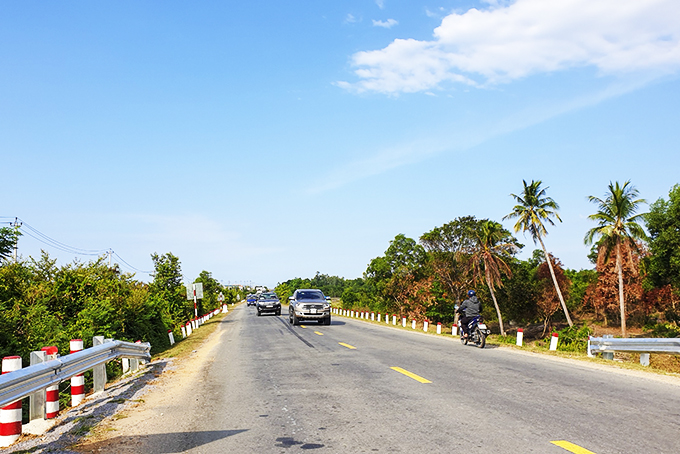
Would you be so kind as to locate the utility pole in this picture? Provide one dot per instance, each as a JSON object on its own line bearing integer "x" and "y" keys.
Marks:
{"x": 110, "y": 252}
{"x": 16, "y": 224}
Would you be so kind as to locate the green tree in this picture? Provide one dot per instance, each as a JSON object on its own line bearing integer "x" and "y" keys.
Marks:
{"x": 8, "y": 239}
{"x": 533, "y": 209}
{"x": 663, "y": 225}
{"x": 617, "y": 224}
{"x": 168, "y": 288}
{"x": 489, "y": 255}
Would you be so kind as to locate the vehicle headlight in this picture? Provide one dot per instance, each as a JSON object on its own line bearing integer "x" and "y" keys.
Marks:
{"x": 326, "y": 305}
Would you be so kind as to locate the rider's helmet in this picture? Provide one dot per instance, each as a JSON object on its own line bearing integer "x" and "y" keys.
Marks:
{"x": 471, "y": 293}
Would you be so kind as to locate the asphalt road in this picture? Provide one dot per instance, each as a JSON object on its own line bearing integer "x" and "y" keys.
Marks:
{"x": 275, "y": 388}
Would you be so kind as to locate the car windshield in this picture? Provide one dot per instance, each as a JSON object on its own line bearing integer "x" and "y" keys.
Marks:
{"x": 268, "y": 296}
{"x": 309, "y": 296}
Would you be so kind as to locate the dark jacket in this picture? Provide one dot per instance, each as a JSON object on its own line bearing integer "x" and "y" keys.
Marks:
{"x": 471, "y": 307}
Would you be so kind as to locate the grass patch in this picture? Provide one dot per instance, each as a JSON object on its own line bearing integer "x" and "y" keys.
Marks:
{"x": 184, "y": 347}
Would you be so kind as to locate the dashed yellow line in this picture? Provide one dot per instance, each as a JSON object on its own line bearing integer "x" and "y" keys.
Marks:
{"x": 411, "y": 375}
{"x": 347, "y": 345}
{"x": 320, "y": 334}
{"x": 571, "y": 447}
{"x": 303, "y": 326}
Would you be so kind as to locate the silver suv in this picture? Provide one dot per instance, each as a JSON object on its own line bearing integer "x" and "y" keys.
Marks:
{"x": 309, "y": 304}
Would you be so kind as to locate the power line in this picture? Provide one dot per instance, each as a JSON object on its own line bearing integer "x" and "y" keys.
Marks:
{"x": 34, "y": 233}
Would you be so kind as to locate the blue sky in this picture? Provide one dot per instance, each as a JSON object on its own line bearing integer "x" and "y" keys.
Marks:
{"x": 267, "y": 140}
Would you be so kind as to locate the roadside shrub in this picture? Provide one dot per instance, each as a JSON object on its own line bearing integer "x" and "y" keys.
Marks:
{"x": 574, "y": 339}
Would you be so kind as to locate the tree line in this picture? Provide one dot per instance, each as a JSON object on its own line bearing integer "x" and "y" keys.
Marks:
{"x": 44, "y": 304}
{"x": 635, "y": 280}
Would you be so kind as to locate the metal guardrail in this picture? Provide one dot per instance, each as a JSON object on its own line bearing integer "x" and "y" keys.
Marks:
{"x": 608, "y": 345}
{"x": 669, "y": 346}
{"x": 23, "y": 382}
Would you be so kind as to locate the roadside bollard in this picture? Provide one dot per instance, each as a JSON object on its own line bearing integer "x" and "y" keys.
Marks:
{"x": 352, "y": 314}
{"x": 77, "y": 381}
{"x": 520, "y": 337}
{"x": 394, "y": 320}
{"x": 403, "y": 322}
{"x": 426, "y": 324}
{"x": 454, "y": 330}
{"x": 372, "y": 316}
{"x": 553, "y": 342}
{"x": 10, "y": 415}
{"x": 413, "y": 324}
{"x": 172, "y": 337}
{"x": 378, "y": 317}
{"x": 184, "y": 332}
{"x": 439, "y": 328}
{"x": 51, "y": 392}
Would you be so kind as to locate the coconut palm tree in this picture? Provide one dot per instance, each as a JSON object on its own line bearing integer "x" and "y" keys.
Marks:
{"x": 532, "y": 210}
{"x": 617, "y": 225}
{"x": 494, "y": 245}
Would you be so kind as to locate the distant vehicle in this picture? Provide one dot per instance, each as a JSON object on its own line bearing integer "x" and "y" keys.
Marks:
{"x": 268, "y": 302}
{"x": 309, "y": 304}
{"x": 251, "y": 299}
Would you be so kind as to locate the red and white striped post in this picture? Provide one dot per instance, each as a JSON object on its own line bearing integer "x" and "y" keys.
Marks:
{"x": 520, "y": 337}
{"x": 439, "y": 327}
{"x": 10, "y": 415}
{"x": 77, "y": 381}
{"x": 51, "y": 392}
{"x": 553, "y": 341}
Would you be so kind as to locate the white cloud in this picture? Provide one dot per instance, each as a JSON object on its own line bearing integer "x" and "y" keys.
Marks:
{"x": 389, "y": 23}
{"x": 350, "y": 19}
{"x": 380, "y": 3}
{"x": 507, "y": 42}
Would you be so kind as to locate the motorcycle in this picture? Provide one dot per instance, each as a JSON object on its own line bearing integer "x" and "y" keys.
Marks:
{"x": 477, "y": 332}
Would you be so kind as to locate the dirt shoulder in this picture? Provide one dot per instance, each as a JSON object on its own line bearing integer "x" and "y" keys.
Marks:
{"x": 120, "y": 433}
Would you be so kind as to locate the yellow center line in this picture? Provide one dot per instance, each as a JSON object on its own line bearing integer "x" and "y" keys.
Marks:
{"x": 303, "y": 326}
{"x": 347, "y": 345}
{"x": 320, "y": 334}
{"x": 571, "y": 447}
{"x": 411, "y": 374}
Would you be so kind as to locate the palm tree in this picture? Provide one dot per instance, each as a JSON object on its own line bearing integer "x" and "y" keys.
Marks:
{"x": 532, "y": 210}
{"x": 617, "y": 225}
{"x": 493, "y": 246}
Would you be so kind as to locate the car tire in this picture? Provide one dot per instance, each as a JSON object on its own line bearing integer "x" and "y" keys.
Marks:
{"x": 278, "y": 313}
{"x": 328, "y": 320}
{"x": 259, "y": 313}
{"x": 296, "y": 321}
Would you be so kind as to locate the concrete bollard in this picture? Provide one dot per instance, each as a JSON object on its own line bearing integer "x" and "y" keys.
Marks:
{"x": 403, "y": 322}
{"x": 439, "y": 328}
{"x": 184, "y": 332}
{"x": 372, "y": 316}
{"x": 394, "y": 320}
{"x": 10, "y": 415}
{"x": 520, "y": 337}
{"x": 352, "y": 314}
{"x": 52, "y": 392}
{"x": 553, "y": 342}
{"x": 172, "y": 337}
{"x": 77, "y": 381}
{"x": 644, "y": 359}
{"x": 189, "y": 329}
{"x": 454, "y": 330}
{"x": 413, "y": 324}
{"x": 426, "y": 325}
{"x": 379, "y": 317}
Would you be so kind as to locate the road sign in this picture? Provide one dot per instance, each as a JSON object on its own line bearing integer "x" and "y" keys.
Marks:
{"x": 195, "y": 290}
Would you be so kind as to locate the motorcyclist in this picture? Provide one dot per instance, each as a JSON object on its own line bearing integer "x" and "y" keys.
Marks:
{"x": 470, "y": 309}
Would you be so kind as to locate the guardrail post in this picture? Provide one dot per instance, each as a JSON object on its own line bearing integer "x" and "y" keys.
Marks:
{"x": 644, "y": 359}
{"x": 36, "y": 406}
{"x": 77, "y": 381}
{"x": 608, "y": 355}
{"x": 51, "y": 392}
{"x": 10, "y": 415}
{"x": 520, "y": 337}
{"x": 99, "y": 372}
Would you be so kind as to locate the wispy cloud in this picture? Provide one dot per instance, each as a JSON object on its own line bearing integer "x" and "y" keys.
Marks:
{"x": 380, "y": 3}
{"x": 390, "y": 158}
{"x": 389, "y": 23}
{"x": 350, "y": 19}
{"x": 506, "y": 42}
